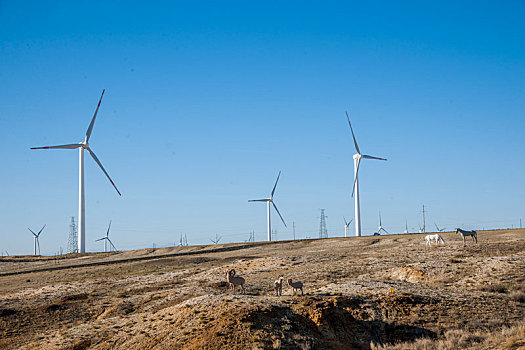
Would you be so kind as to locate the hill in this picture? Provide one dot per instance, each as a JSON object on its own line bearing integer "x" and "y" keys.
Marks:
{"x": 367, "y": 292}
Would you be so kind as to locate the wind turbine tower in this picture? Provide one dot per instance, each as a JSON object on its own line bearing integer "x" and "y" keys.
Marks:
{"x": 36, "y": 236}
{"x": 106, "y": 240}
{"x": 84, "y": 145}
{"x": 268, "y": 201}
{"x": 355, "y": 191}
{"x": 380, "y": 228}
{"x": 347, "y": 224}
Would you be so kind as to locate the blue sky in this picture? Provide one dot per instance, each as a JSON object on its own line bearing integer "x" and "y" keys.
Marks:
{"x": 206, "y": 102}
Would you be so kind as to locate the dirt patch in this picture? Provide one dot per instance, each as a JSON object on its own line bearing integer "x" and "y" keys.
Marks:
{"x": 409, "y": 274}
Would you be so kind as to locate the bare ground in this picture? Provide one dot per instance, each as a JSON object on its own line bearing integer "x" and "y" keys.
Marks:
{"x": 369, "y": 292}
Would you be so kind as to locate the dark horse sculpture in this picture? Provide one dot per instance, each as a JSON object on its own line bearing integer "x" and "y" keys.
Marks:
{"x": 464, "y": 234}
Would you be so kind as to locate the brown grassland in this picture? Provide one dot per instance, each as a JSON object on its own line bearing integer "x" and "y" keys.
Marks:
{"x": 382, "y": 292}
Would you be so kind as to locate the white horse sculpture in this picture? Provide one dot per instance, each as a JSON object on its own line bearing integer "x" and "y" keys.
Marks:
{"x": 437, "y": 238}
{"x": 464, "y": 234}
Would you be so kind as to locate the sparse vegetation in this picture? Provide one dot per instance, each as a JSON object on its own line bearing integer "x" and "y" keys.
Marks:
{"x": 176, "y": 300}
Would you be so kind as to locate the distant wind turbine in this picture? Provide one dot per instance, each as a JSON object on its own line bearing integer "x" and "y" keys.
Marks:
{"x": 268, "y": 201}
{"x": 357, "y": 160}
{"x": 84, "y": 145}
{"x": 35, "y": 237}
{"x": 347, "y": 224}
{"x": 380, "y": 228}
{"x": 106, "y": 240}
{"x": 437, "y": 228}
{"x": 406, "y": 226}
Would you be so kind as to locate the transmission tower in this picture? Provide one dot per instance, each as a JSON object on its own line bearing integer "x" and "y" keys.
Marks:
{"x": 424, "y": 224}
{"x": 72, "y": 240}
{"x": 323, "y": 232}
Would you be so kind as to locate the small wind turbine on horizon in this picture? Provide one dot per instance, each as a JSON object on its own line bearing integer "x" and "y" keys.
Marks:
{"x": 36, "y": 237}
{"x": 380, "y": 228}
{"x": 347, "y": 224}
{"x": 355, "y": 190}
{"x": 106, "y": 240}
{"x": 437, "y": 228}
{"x": 84, "y": 145}
{"x": 268, "y": 201}
{"x": 406, "y": 226}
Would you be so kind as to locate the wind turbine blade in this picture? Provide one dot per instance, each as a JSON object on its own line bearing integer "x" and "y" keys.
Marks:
{"x": 277, "y": 210}
{"x": 356, "y": 174}
{"x": 274, "y": 186}
{"x": 34, "y": 234}
{"x": 437, "y": 228}
{"x": 258, "y": 200}
{"x": 353, "y": 136}
{"x": 90, "y": 128}
{"x": 346, "y": 223}
{"x": 107, "y": 233}
{"x": 100, "y": 239}
{"x": 384, "y": 230}
{"x": 101, "y": 167}
{"x": 379, "y": 219}
{"x": 109, "y": 240}
{"x": 371, "y": 157}
{"x": 39, "y": 232}
{"x": 70, "y": 146}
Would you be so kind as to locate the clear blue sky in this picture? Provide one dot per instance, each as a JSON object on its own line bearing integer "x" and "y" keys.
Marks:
{"x": 205, "y": 102}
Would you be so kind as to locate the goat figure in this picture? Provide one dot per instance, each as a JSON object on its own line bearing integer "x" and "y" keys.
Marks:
{"x": 295, "y": 286}
{"x": 278, "y": 286}
{"x": 464, "y": 234}
{"x": 436, "y": 238}
{"x": 235, "y": 281}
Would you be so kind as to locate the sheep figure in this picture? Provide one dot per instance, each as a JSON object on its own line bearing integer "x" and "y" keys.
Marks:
{"x": 295, "y": 286}
{"x": 278, "y": 286}
{"x": 235, "y": 280}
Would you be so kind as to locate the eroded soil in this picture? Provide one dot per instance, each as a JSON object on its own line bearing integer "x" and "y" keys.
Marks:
{"x": 359, "y": 293}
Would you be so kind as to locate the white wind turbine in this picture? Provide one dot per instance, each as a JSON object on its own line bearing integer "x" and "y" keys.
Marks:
{"x": 380, "y": 228}
{"x": 347, "y": 224}
{"x": 268, "y": 201}
{"x": 406, "y": 226}
{"x": 35, "y": 237}
{"x": 106, "y": 240}
{"x": 357, "y": 160}
{"x": 439, "y": 229}
{"x": 84, "y": 145}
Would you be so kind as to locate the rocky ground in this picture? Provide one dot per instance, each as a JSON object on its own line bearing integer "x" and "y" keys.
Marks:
{"x": 364, "y": 293}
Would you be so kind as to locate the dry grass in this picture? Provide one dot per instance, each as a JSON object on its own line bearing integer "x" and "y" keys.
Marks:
{"x": 506, "y": 338}
{"x": 355, "y": 294}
